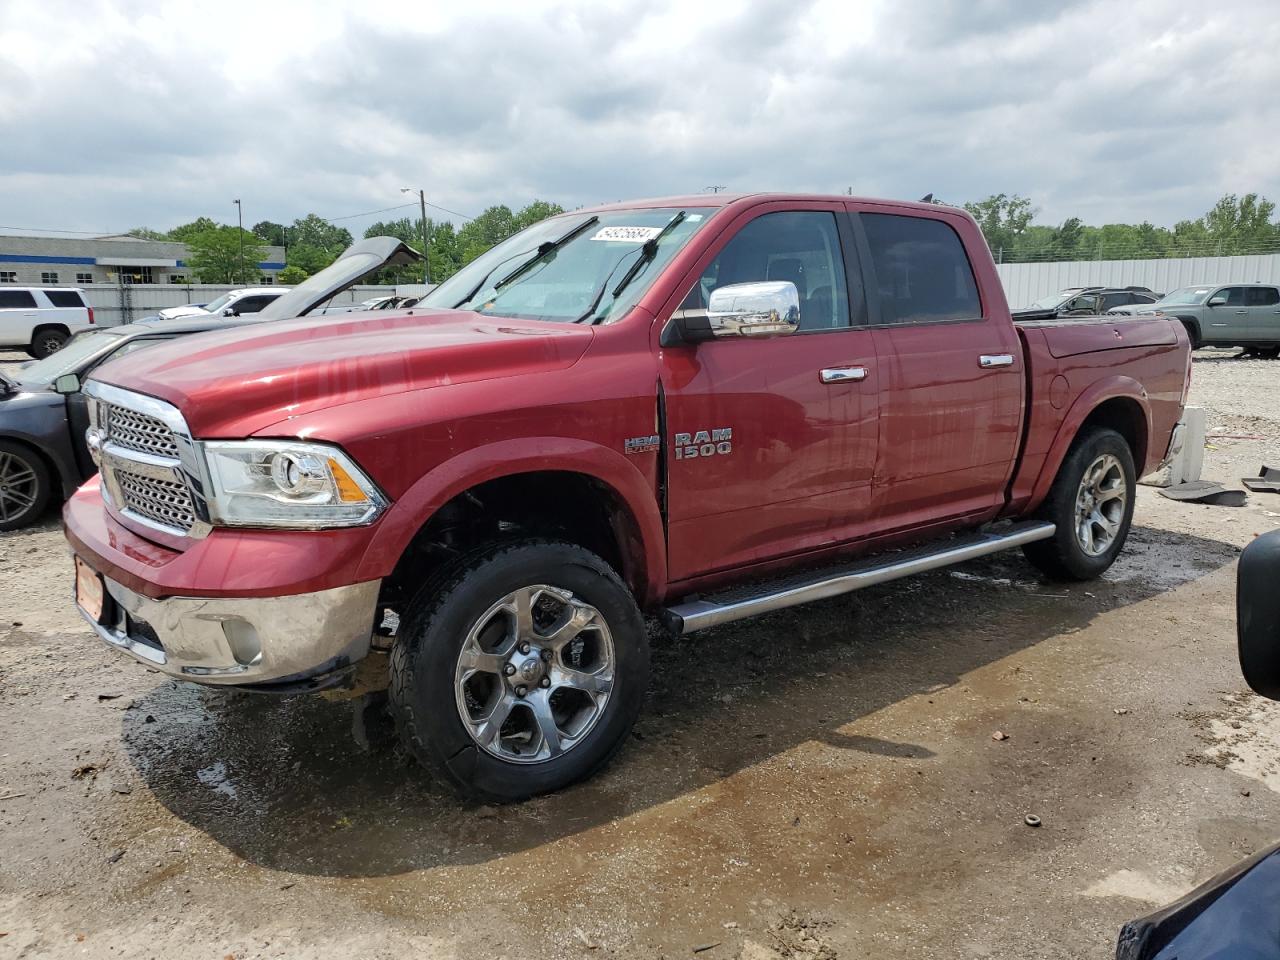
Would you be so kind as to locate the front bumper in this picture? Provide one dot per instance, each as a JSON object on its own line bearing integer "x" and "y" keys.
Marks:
{"x": 293, "y": 642}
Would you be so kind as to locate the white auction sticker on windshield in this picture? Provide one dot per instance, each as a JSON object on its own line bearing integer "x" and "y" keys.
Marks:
{"x": 626, "y": 234}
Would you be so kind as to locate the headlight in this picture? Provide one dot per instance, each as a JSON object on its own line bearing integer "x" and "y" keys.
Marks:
{"x": 282, "y": 483}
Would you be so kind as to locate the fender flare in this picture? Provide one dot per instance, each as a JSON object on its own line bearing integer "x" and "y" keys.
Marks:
{"x": 410, "y": 512}
{"x": 1096, "y": 394}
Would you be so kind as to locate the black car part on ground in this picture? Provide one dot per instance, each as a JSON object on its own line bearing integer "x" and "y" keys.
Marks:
{"x": 1233, "y": 916}
{"x": 1258, "y": 614}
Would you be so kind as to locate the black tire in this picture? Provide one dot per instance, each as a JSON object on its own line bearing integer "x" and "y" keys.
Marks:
{"x": 25, "y": 485}
{"x": 1267, "y": 353}
{"x": 1064, "y": 556}
{"x": 435, "y": 628}
{"x": 1193, "y": 333}
{"x": 46, "y": 341}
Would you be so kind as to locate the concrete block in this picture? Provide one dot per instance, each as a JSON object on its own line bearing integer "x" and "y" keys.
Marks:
{"x": 1186, "y": 459}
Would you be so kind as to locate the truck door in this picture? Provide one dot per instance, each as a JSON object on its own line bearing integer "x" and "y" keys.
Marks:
{"x": 951, "y": 372}
{"x": 771, "y": 442}
{"x": 1263, "y": 304}
{"x": 1226, "y": 317}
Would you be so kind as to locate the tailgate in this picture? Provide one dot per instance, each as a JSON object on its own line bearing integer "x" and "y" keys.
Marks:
{"x": 1070, "y": 337}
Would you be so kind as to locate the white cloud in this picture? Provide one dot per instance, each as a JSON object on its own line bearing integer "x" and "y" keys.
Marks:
{"x": 117, "y": 115}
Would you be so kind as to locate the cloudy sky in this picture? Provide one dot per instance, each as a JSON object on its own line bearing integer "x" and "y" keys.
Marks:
{"x": 124, "y": 114}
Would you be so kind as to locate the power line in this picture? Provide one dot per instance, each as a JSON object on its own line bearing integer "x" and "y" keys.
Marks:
{"x": 401, "y": 206}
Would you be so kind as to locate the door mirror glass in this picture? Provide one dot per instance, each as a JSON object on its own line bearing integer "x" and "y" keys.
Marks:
{"x": 768, "y": 308}
{"x": 1217, "y": 301}
{"x": 228, "y": 311}
{"x": 67, "y": 384}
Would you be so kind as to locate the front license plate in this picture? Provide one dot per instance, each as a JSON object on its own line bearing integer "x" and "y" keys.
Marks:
{"x": 89, "y": 590}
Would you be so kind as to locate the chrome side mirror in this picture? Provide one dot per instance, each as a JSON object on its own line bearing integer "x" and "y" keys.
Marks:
{"x": 67, "y": 384}
{"x": 766, "y": 309}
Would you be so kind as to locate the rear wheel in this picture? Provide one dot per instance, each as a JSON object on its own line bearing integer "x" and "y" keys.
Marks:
{"x": 1091, "y": 504}
{"x": 24, "y": 486}
{"x": 521, "y": 670}
{"x": 1267, "y": 353}
{"x": 46, "y": 340}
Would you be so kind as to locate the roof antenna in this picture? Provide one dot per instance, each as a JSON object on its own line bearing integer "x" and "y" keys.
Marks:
{"x": 927, "y": 198}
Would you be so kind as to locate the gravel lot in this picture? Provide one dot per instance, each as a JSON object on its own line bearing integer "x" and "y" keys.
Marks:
{"x": 819, "y": 783}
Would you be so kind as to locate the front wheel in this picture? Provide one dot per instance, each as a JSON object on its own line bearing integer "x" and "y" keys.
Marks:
{"x": 521, "y": 670}
{"x": 1091, "y": 504}
{"x": 25, "y": 486}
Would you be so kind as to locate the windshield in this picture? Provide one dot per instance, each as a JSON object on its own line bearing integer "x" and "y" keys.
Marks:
{"x": 1053, "y": 300}
{"x": 214, "y": 306}
{"x": 566, "y": 284}
{"x": 84, "y": 346}
{"x": 1183, "y": 296}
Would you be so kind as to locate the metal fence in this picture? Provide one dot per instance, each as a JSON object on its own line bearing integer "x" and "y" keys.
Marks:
{"x": 1027, "y": 282}
{"x": 114, "y": 304}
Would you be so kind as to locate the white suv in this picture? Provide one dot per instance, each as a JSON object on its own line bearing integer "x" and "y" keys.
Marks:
{"x": 237, "y": 303}
{"x": 39, "y": 320}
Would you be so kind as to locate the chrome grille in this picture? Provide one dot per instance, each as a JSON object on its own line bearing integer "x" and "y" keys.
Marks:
{"x": 137, "y": 431}
{"x": 161, "y": 501}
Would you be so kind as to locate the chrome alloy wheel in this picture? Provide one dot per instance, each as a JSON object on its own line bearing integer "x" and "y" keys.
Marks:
{"x": 1100, "y": 505}
{"x": 534, "y": 674}
{"x": 18, "y": 487}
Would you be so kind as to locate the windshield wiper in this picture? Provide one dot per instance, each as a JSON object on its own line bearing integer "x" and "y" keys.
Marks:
{"x": 648, "y": 251}
{"x": 549, "y": 247}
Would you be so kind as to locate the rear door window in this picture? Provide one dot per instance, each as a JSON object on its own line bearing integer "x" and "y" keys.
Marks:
{"x": 64, "y": 298}
{"x": 17, "y": 299}
{"x": 922, "y": 270}
{"x": 1110, "y": 300}
{"x": 1261, "y": 296}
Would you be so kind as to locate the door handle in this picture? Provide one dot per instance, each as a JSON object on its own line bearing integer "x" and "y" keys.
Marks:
{"x": 989, "y": 360}
{"x": 1241, "y": 313}
{"x": 842, "y": 374}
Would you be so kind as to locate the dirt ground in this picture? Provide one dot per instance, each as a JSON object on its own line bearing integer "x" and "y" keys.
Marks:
{"x": 820, "y": 783}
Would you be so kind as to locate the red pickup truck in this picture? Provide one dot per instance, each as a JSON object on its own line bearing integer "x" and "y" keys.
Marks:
{"x": 697, "y": 409}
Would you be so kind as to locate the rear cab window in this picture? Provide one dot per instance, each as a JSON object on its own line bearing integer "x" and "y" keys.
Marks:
{"x": 1261, "y": 297}
{"x": 921, "y": 269}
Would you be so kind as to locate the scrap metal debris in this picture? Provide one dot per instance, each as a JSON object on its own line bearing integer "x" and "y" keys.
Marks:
{"x": 1267, "y": 480}
{"x": 1205, "y": 491}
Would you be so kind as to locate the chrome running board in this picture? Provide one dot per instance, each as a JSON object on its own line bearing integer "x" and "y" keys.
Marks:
{"x": 754, "y": 599}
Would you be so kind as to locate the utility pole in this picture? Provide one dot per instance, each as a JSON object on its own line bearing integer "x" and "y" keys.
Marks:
{"x": 426, "y": 250}
{"x": 714, "y": 188}
{"x": 240, "y": 221}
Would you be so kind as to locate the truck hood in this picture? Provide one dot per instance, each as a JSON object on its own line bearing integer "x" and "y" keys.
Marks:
{"x": 237, "y": 382}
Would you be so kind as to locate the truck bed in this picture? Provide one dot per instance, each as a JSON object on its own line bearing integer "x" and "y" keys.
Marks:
{"x": 1072, "y": 336}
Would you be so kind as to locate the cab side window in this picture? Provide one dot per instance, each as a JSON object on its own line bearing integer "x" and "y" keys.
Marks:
{"x": 922, "y": 270}
{"x": 1261, "y": 297}
{"x": 1233, "y": 295}
{"x": 802, "y": 247}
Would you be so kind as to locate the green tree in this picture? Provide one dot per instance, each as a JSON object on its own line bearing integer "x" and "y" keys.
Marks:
{"x": 1239, "y": 224}
{"x": 1003, "y": 219}
{"x": 225, "y": 255}
{"x": 314, "y": 243}
{"x": 269, "y": 232}
{"x": 291, "y": 275}
{"x": 184, "y": 233}
{"x": 146, "y": 233}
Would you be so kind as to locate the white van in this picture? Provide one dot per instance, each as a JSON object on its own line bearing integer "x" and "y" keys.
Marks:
{"x": 39, "y": 320}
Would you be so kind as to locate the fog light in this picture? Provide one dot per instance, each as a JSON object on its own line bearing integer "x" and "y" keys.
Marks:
{"x": 243, "y": 639}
